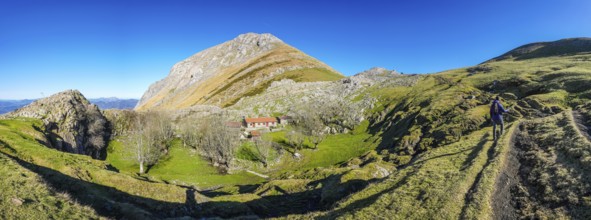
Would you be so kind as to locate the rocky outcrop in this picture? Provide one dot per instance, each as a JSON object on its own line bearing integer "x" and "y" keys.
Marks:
{"x": 72, "y": 123}
{"x": 377, "y": 72}
{"x": 373, "y": 75}
{"x": 222, "y": 74}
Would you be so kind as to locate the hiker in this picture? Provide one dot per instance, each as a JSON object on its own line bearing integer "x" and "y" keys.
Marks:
{"x": 496, "y": 116}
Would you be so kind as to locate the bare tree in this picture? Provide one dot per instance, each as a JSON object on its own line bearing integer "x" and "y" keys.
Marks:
{"x": 161, "y": 122}
{"x": 140, "y": 145}
{"x": 218, "y": 141}
{"x": 308, "y": 121}
{"x": 264, "y": 149}
{"x": 149, "y": 138}
{"x": 189, "y": 131}
{"x": 121, "y": 121}
{"x": 338, "y": 113}
{"x": 296, "y": 139}
{"x": 97, "y": 133}
{"x": 316, "y": 138}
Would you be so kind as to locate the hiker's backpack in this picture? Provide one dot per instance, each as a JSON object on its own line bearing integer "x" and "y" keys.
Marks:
{"x": 496, "y": 108}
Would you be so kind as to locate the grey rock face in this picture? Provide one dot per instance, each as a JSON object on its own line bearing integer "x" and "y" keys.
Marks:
{"x": 209, "y": 62}
{"x": 72, "y": 123}
{"x": 378, "y": 71}
{"x": 223, "y": 74}
{"x": 373, "y": 75}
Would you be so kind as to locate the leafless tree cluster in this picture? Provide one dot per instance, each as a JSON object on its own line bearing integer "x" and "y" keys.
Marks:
{"x": 189, "y": 131}
{"x": 308, "y": 123}
{"x": 295, "y": 139}
{"x": 264, "y": 149}
{"x": 219, "y": 141}
{"x": 121, "y": 121}
{"x": 97, "y": 133}
{"x": 337, "y": 113}
{"x": 148, "y": 138}
{"x": 212, "y": 137}
{"x": 314, "y": 119}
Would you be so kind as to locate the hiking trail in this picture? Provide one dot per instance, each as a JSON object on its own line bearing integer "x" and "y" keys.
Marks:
{"x": 578, "y": 120}
{"x": 508, "y": 177}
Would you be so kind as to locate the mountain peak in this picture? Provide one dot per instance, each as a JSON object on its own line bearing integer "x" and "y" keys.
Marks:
{"x": 258, "y": 39}
{"x": 378, "y": 71}
{"x": 222, "y": 74}
{"x": 545, "y": 49}
{"x": 69, "y": 93}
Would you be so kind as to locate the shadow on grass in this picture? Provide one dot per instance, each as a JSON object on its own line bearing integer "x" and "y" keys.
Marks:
{"x": 413, "y": 164}
{"x": 474, "y": 153}
{"x": 106, "y": 201}
{"x": 113, "y": 203}
{"x": 469, "y": 194}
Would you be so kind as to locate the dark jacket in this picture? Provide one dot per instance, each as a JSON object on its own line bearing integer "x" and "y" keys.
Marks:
{"x": 499, "y": 115}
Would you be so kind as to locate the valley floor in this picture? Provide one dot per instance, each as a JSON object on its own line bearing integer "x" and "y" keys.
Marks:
{"x": 538, "y": 168}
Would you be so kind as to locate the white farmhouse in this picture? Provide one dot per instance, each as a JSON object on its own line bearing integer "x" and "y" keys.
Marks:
{"x": 264, "y": 122}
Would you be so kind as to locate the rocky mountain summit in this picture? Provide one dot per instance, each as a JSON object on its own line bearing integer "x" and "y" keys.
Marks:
{"x": 72, "y": 123}
{"x": 377, "y": 72}
{"x": 373, "y": 75}
{"x": 222, "y": 74}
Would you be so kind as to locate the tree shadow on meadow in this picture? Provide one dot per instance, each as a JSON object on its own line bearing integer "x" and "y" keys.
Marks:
{"x": 113, "y": 203}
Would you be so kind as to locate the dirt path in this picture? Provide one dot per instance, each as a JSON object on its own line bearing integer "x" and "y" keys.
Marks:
{"x": 258, "y": 174}
{"x": 578, "y": 119}
{"x": 502, "y": 200}
{"x": 469, "y": 198}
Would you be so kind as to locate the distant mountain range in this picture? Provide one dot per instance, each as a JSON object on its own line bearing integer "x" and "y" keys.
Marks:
{"x": 102, "y": 103}
{"x": 11, "y": 105}
{"x": 114, "y": 103}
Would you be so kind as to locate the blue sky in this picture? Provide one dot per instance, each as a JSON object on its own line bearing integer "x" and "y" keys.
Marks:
{"x": 118, "y": 48}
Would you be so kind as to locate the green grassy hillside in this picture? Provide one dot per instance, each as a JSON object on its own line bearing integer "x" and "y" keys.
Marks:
{"x": 423, "y": 152}
{"x": 60, "y": 178}
{"x": 568, "y": 46}
{"x": 445, "y": 133}
{"x": 182, "y": 166}
{"x": 25, "y": 195}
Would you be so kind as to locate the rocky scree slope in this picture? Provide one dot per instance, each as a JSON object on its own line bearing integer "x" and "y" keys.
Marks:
{"x": 71, "y": 123}
{"x": 224, "y": 73}
{"x": 348, "y": 95}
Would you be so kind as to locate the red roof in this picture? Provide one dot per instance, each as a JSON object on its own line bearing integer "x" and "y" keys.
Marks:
{"x": 260, "y": 120}
{"x": 255, "y": 133}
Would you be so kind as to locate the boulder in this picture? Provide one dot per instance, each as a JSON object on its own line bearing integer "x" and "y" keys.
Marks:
{"x": 72, "y": 123}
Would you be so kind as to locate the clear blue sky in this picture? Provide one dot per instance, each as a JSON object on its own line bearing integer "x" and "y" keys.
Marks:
{"x": 118, "y": 48}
